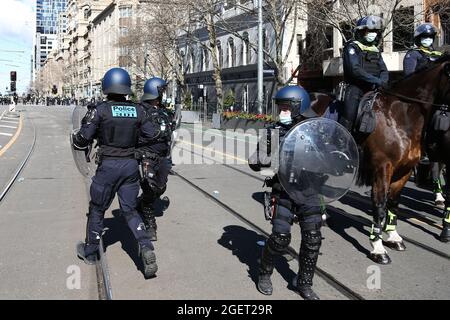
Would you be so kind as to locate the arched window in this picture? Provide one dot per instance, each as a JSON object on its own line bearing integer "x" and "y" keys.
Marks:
{"x": 205, "y": 60}
{"x": 265, "y": 43}
{"x": 219, "y": 53}
{"x": 191, "y": 62}
{"x": 245, "y": 49}
{"x": 231, "y": 53}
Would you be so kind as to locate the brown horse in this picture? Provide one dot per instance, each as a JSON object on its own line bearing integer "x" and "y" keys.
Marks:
{"x": 393, "y": 149}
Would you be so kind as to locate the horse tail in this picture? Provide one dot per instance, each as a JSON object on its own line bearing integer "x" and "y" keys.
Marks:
{"x": 365, "y": 177}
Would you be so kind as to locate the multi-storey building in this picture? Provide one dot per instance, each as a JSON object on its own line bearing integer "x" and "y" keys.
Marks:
{"x": 45, "y": 39}
{"x": 237, "y": 57}
{"x": 78, "y": 63}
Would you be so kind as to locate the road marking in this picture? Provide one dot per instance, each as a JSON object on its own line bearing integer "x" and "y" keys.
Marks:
{"x": 13, "y": 139}
{"x": 15, "y": 122}
{"x": 1, "y": 126}
{"x": 10, "y": 118}
{"x": 215, "y": 151}
{"x": 422, "y": 222}
{"x": 5, "y": 134}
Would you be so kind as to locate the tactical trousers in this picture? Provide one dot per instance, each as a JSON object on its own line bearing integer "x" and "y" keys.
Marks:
{"x": 121, "y": 177}
{"x": 310, "y": 220}
{"x": 153, "y": 187}
{"x": 348, "y": 114}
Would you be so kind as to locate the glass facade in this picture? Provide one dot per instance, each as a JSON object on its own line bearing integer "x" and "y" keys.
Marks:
{"x": 47, "y": 12}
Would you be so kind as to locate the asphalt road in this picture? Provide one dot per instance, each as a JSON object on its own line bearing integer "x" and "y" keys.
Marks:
{"x": 203, "y": 251}
{"x": 43, "y": 215}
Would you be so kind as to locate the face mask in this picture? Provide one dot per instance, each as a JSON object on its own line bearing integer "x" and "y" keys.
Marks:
{"x": 285, "y": 117}
{"x": 426, "y": 42}
{"x": 370, "y": 37}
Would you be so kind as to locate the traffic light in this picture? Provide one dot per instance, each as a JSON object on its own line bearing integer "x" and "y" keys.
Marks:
{"x": 13, "y": 76}
{"x": 13, "y": 86}
{"x": 54, "y": 89}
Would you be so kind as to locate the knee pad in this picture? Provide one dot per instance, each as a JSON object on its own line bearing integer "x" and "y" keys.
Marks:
{"x": 278, "y": 242}
{"x": 311, "y": 241}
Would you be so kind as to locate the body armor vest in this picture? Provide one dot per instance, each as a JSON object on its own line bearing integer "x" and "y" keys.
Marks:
{"x": 119, "y": 129}
{"x": 370, "y": 59}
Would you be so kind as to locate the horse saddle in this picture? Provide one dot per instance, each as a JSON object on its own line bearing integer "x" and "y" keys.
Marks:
{"x": 365, "y": 119}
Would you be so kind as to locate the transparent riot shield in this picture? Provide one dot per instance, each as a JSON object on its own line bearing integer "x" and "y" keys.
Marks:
{"x": 318, "y": 161}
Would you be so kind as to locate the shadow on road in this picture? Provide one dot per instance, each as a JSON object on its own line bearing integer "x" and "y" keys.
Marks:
{"x": 243, "y": 244}
{"x": 120, "y": 232}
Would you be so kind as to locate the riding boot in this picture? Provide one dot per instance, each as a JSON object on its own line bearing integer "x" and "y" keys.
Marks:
{"x": 309, "y": 253}
{"x": 148, "y": 217}
{"x": 445, "y": 234}
{"x": 265, "y": 271}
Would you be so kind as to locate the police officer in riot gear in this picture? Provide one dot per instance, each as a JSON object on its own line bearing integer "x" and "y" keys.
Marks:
{"x": 292, "y": 101}
{"x": 116, "y": 124}
{"x": 154, "y": 156}
{"x": 419, "y": 57}
{"x": 364, "y": 68}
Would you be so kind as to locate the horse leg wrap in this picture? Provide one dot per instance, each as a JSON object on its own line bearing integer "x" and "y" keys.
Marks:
{"x": 391, "y": 221}
{"x": 276, "y": 244}
{"x": 309, "y": 253}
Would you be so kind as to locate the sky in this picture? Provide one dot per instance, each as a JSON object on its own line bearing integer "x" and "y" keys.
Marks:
{"x": 17, "y": 25}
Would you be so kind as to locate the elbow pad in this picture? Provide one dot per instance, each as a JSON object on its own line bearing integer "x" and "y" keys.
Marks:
{"x": 78, "y": 141}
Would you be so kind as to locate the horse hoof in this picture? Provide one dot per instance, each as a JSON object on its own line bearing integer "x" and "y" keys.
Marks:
{"x": 397, "y": 246}
{"x": 444, "y": 238}
{"x": 380, "y": 258}
{"x": 440, "y": 205}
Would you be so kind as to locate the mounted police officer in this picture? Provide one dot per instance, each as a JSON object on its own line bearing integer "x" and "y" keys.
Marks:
{"x": 292, "y": 101}
{"x": 154, "y": 156}
{"x": 364, "y": 68}
{"x": 420, "y": 57}
{"x": 423, "y": 53}
{"x": 116, "y": 124}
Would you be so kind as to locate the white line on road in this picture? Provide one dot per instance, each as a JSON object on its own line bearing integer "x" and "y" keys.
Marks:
{"x": 6, "y": 134}
{"x": 15, "y": 122}
{"x": 11, "y": 127}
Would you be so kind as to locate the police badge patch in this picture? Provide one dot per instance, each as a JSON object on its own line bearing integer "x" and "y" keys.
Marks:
{"x": 351, "y": 51}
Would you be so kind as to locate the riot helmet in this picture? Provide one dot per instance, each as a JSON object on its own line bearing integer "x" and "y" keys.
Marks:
{"x": 424, "y": 35}
{"x": 154, "y": 89}
{"x": 368, "y": 29}
{"x": 116, "y": 81}
{"x": 291, "y": 102}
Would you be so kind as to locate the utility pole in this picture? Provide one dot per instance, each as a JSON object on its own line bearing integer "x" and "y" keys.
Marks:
{"x": 260, "y": 56}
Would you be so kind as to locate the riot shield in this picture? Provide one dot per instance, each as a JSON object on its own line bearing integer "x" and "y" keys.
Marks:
{"x": 318, "y": 161}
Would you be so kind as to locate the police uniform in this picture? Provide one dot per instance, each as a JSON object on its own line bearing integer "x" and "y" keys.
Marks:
{"x": 117, "y": 126}
{"x": 285, "y": 211}
{"x": 154, "y": 157}
{"x": 419, "y": 58}
{"x": 364, "y": 70}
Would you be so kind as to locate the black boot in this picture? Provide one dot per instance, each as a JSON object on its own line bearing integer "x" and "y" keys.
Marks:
{"x": 84, "y": 254}
{"x": 149, "y": 261}
{"x": 149, "y": 220}
{"x": 265, "y": 271}
{"x": 445, "y": 234}
{"x": 309, "y": 253}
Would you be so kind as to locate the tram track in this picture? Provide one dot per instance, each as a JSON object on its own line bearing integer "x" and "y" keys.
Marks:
{"x": 360, "y": 219}
{"x": 21, "y": 166}
{"x": 328, "y": 278}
